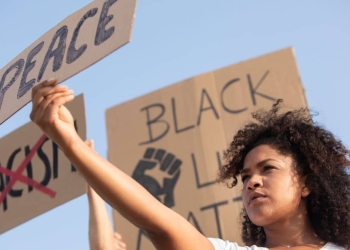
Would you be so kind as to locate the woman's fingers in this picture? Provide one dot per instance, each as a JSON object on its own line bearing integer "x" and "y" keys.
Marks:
{"x": 43, "y": 93}
{"x": 39, "y": 91}
{"x": 50, "y": 114}
{"x": 47, "y": 83}
{"x": 46, "y": 101}
{"x": 52, "y": 111}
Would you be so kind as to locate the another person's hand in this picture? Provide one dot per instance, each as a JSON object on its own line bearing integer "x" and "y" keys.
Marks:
{"x": 118, "y": 242}
{"x": 101, "y": 236}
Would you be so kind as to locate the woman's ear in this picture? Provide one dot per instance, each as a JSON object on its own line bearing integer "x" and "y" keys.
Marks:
{"x": 305, "y": 190}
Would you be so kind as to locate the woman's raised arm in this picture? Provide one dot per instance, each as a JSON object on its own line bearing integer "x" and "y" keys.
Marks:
{"x": 167, "y": 229}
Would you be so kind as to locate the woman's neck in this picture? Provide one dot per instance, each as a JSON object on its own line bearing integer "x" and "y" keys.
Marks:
{"x": 292, "y": 232}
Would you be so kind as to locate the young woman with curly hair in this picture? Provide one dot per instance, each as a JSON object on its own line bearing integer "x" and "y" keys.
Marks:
{"x": 295, "y": 186}
{"x": 294, "y": 181}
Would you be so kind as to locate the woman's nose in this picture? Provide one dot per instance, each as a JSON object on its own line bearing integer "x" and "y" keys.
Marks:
{"x": 254, "y": 182}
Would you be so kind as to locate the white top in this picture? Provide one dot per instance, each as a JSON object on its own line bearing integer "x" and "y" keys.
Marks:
{"x": 220, "y": 244}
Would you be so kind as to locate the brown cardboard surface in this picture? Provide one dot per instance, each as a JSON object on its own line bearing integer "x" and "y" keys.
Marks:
{"x": 74, "y": 44}
{"x": 60, "y": 182}
{"x": 194, "y": 120}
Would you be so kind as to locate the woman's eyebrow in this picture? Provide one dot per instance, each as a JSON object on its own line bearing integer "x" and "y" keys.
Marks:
{"x": 259, "y": 164}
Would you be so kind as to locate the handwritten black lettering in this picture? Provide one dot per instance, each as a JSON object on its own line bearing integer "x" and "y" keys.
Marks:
{"x": 198, "y": 182}
{"x": 177, "y": 130}
{"x": 102, "y": 34}
{"x": 253, "y": 91}
{"x": 237, "y": 111}
{"x": 196, "y": 171}
{"x": 24, "y": 85}
{"x": 192, "y": 218}
{"x": 218, "y": 157}
{"x": 236, "y": 199}
{"x": 55, "y": 163}
{"x": 29, "y": 168}
{"x": 73, "y": 54}
{"x": 12, "y": 192}
{"x": 55, "y": 150}
{"x": 49, "y": 172}
{"x": 18, "y": 65}
{"x": 211, "y": 106}
{"x": 139, "y": 238}
{"x": 2, "y": 187}
{"x": 155, "y": 120}
{"x": 43, "y": 157}
{"x": 57, "y": 53}
{"x": 216, "y": 211}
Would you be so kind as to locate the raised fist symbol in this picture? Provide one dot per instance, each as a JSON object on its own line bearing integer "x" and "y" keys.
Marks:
{"x": 161, "y": 185}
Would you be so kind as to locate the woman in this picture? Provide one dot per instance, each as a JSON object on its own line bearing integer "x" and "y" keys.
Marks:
{"x": 295, "y": 188}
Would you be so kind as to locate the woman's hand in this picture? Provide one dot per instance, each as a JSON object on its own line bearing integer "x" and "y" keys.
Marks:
{"x": 50, "y": 114}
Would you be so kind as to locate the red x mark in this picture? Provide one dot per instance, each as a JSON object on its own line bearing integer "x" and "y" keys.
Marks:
{"x": 17, "y": 176}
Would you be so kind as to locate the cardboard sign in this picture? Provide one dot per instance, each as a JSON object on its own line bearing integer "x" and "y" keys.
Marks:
{"x": 172, "y": 140}
{"x": 77, "y": 42}
{"x": 35, "y": 176}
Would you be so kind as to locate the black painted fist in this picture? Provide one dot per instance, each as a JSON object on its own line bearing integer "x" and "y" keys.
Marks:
{"x": 168, "y": 167}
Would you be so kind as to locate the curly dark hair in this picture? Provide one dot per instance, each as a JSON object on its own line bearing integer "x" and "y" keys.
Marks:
{"x": 317, "y": 154}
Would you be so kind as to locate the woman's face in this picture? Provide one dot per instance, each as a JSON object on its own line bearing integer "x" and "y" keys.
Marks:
{"x": 272, "y": 190}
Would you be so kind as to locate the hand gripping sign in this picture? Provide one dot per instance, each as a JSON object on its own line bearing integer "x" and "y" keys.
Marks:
{"x": 77, "y": 42}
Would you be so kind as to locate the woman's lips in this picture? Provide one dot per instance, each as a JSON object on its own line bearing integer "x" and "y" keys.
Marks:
{"x": 257, "y": 199}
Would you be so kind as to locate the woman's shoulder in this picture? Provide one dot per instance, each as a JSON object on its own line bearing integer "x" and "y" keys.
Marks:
{"x": 220, "y": 244}
{"x": 331, "y": 246}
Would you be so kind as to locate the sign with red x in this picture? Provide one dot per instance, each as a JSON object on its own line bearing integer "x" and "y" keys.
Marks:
{"x": 35, "y": 176}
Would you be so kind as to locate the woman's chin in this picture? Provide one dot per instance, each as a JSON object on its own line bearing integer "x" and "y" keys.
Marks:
{"x": 261, "y": 219}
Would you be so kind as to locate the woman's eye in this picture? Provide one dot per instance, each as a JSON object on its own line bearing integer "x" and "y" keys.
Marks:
{"x": 266, "y": 168}
{"x": 244, "y": 178}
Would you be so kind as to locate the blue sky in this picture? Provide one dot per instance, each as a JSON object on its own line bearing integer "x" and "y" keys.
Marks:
{"x": 174, "y": 40}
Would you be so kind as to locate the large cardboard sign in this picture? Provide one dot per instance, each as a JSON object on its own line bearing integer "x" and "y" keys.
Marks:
{"x": 172, "y": 140}
{"x": 77, "y": 42}
{"x": 35, "y": 176}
